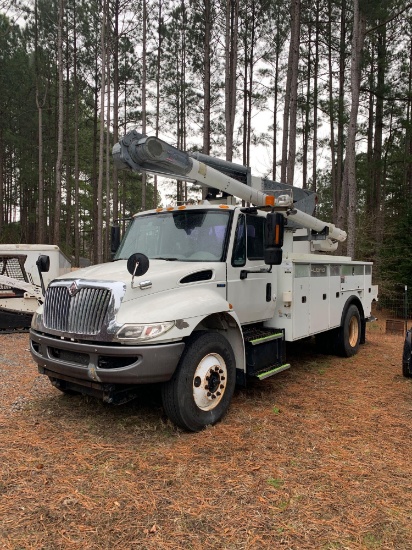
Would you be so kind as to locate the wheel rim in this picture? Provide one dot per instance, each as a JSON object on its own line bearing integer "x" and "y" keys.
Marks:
{"x": 353, "y": 332}
{"x": 209, "y": 381}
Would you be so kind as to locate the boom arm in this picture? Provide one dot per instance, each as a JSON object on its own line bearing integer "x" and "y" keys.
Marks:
{"x": 150, "y": 154}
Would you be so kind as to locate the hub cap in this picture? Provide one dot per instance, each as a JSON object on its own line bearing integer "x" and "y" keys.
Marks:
{"x": 353, "y": 332}
{"x": 209, "y": 381}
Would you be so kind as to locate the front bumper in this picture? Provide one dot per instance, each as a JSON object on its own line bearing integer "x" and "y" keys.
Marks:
{"x": 104, "y": 364}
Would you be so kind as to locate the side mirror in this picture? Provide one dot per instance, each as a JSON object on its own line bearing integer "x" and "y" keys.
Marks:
{"x": 114, "y": 238}
{"x": 137, "y": 264}
{"x": 43, "y": 265}
{"x": 274, "y": 238}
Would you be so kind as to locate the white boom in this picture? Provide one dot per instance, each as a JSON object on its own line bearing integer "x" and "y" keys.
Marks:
{"x": 150, "y": 154}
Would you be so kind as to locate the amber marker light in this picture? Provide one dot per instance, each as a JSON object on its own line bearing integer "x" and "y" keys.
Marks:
{"x": 181, "y": 207}
{"x": 223, "y": 206}
{"x": 277, "y": 234}
{"x": 230, "y": 306}
{"x": 159, "y": 209}
{"x": 269, "y": 200}
{"x": 170, "y": 208}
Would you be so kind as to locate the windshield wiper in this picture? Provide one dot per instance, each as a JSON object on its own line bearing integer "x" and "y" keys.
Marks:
{"x": 167, "y": 259}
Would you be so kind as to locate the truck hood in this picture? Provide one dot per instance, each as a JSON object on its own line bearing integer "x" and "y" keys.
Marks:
{"x": 161, "y": 276}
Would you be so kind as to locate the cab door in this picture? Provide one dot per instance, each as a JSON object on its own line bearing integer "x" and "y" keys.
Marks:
{"x": 251, "y": 294}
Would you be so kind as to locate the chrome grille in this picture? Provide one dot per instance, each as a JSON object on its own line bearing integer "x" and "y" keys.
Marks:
{"x": 83, "y": 313}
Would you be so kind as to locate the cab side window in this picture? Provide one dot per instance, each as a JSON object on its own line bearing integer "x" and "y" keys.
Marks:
{"x": 249, "y": 239}
{"x": 239, "y": 247}
{"x": 255, "y": 232}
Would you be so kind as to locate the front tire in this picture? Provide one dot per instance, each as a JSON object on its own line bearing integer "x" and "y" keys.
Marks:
{"x": 349, "y": 334}
{"x": 200, "y": 391}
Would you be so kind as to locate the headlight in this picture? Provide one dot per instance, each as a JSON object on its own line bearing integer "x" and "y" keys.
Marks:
{"x": 132, "y": 333}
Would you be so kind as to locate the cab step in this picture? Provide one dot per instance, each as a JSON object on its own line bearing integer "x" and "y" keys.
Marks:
{"x": 271, "y": 372}
{"x": 265, "y": 351}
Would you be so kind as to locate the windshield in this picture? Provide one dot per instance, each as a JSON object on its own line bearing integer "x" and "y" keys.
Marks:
{"x": 186, "y": 235}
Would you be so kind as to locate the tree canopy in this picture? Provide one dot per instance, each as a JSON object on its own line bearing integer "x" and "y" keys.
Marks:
{"x": 321, "y": 91}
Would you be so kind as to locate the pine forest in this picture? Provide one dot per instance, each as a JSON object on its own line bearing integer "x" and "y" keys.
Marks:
{"x": 314, "y": 94}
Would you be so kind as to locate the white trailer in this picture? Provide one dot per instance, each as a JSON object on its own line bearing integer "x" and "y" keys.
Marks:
{"x": 201, "y": 297}
{"x": 20, "y": 280}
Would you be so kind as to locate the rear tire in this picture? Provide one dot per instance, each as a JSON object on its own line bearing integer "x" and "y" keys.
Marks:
{"x": 349, "y": 334}
{"x": 200, "y": 391}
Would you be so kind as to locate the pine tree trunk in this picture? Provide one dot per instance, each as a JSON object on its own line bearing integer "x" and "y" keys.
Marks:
{"x": 231, "y": 40}
{"x": 144, "y": 77}
{"x": 115, "y": 56}
{"x": 76, "y": 147}
{"x": 275, "y": 107}
{"x": 306, "y": 124}
{"x": 40, "y": 104}
{"x": 206, "y": 81}
{"x": 341, "y": 117}
{"x": 69, "y": 220}
{"x": 378, "y": 138}
{"x": 290, "y": 108}
{"x": 332, "y": 118}
{"x": 59, "y": 159}
{"x": 2, "y": 209}
{"x": 108, "y": 149}
{"x": 295, "y": 42}
{"x": 349, "y": 187}
{"x": 315, "y": 102}
{"x": 158, "y": 73}
{"x": 99, "y": 224}
{"x": 250, "y": 82}
{"x": 408, "y": 140}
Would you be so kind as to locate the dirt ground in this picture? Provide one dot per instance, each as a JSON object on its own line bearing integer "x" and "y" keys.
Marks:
{"x": 317, "y": 457}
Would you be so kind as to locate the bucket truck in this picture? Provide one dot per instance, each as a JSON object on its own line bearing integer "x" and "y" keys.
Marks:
{"x": 202, "y": 297}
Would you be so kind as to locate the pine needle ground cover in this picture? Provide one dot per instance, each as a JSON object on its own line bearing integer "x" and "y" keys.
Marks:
{"x": 318, "y": 457}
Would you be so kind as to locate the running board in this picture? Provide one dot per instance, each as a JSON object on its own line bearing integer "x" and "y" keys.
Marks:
{"x": 271, "y": 372}
{"x": 265, "y": 339}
